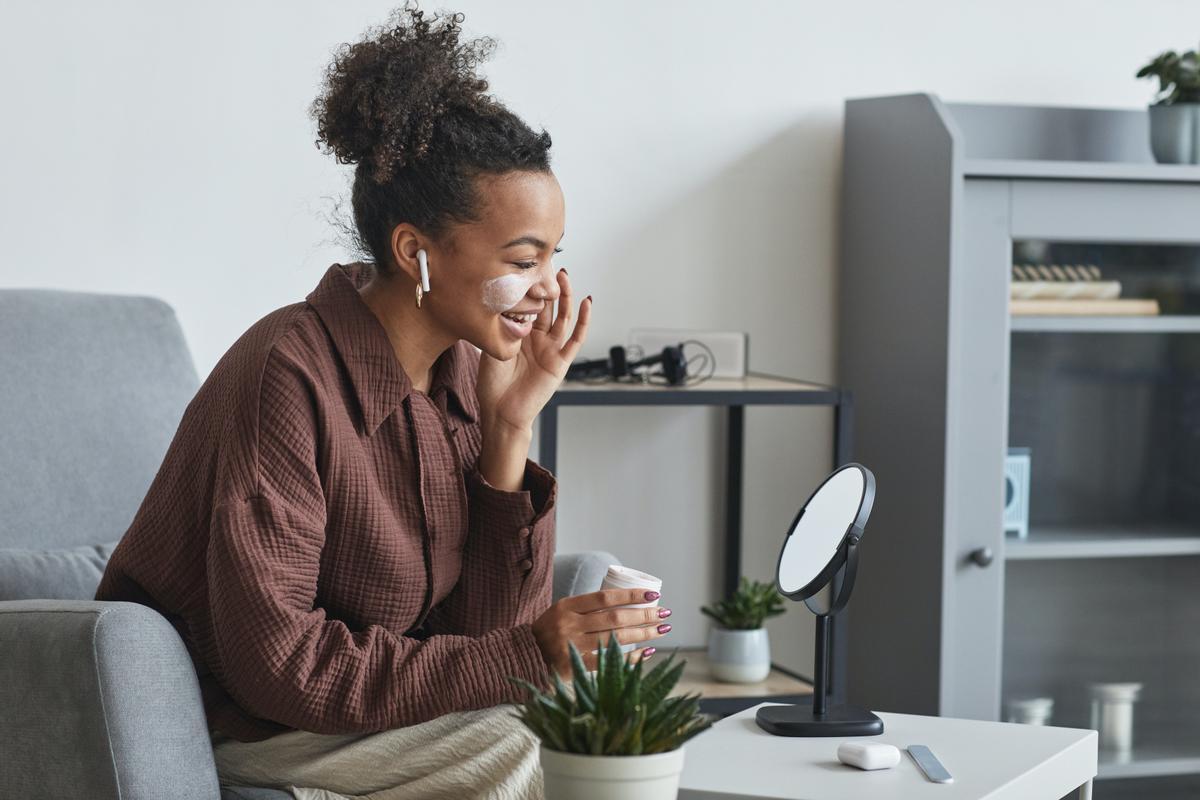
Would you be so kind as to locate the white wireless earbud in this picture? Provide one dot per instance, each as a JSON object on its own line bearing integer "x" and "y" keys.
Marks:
{"x": 423, "y": 262}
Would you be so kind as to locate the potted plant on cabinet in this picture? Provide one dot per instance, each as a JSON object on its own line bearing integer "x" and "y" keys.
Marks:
{"x": 614, "y": 734}
{"x": 739, "y": 650}
{"x": 1175, "y": 115}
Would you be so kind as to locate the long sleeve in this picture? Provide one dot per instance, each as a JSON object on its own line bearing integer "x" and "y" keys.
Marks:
{"x": 508, "y": 559}
{"x": 282, "y": 657}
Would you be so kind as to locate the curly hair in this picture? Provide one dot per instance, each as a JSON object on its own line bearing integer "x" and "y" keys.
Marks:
{"x": 406, "y": 105}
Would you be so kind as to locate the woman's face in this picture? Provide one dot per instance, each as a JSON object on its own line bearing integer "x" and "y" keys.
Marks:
{"x": 489, "y": 279}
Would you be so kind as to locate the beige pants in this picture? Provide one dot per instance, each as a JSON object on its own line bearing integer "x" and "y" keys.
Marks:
{"x": 487, "y": 753}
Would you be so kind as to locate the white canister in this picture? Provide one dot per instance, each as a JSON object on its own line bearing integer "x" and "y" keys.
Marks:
{"x": 1112, "y": 714}
{"x": 619, "y": 577}
{"x": 1031, "y": 710}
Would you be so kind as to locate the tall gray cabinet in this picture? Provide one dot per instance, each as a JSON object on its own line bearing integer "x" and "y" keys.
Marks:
{"x": 950, "y": 615}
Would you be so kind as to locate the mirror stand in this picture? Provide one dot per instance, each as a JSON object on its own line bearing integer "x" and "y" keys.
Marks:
{"x": 823, "y": 719}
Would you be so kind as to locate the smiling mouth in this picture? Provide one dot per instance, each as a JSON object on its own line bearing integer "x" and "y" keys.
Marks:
{"x": 520, "y": 319}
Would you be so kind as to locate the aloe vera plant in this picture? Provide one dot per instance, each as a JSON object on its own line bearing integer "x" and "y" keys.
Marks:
{"x": 616, "y": 711}
{"x": 747, "y": 607}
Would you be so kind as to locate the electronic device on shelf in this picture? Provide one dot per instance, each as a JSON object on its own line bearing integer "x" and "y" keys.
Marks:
{"x": 671, "y": 366}
{"x": 730, "y": 349}
{"x": 1016, "y": 491}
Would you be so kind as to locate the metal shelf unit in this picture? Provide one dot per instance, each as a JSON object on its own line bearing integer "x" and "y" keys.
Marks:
{"x": 734, "y": 395}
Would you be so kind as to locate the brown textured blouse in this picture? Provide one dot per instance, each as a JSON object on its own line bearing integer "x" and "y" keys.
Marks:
{"x": 321, "y": 538}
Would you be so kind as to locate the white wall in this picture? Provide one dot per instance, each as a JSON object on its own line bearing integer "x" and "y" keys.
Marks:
{"x": 165, "y": 149}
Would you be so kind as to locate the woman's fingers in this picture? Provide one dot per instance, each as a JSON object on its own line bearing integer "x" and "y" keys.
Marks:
{"x": 632, "y": 657}
{"x": 592, "y": 640}
{"x": 610, "y": 619}
{"x": 605, "y": 598}
{"x": 545, "y": 318}
{"x": 571, "y": 349}
{"x": 558, "y": 330}
{"x": 542, "y": 321}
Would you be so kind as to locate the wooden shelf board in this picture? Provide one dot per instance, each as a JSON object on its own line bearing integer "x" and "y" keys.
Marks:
{"x": 696, "y": 678}
{"x": 1105, "y": 324}
{"x": 1104, "y": 542}
{"x": 753, "y": 382}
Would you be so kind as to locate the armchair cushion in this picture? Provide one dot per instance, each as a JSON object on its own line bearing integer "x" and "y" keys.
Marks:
{"x": 67, "y": 574}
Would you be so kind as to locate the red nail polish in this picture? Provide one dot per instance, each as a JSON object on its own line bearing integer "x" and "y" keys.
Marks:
{"x": 664, "y": 612}
{"x": 589, "y": 298}
{"x": 664, "y": 628}
{"x": 651, "y": 595}
{"x": 649, "y": 651}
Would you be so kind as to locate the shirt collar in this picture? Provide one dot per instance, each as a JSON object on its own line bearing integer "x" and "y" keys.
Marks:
{"x": 379, "y": 381}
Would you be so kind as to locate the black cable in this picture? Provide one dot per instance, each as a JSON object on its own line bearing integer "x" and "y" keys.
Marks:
{"x": 706, "y": 357}
{"x": 693, "y": 378}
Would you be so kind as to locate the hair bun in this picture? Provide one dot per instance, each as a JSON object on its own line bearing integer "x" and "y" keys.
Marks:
{"x": 382, "y": 96}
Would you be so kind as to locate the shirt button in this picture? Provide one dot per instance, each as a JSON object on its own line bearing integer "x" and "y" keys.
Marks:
{"x": 524, "y": 533}
{"x": 527, "y": 564}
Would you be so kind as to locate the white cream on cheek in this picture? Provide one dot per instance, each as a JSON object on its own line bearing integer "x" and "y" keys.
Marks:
{"x": 501, "y": 294}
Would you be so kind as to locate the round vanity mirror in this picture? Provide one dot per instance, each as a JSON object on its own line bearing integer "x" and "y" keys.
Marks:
{"x": 814, "y": 548}
{"x": 819, "y": 550}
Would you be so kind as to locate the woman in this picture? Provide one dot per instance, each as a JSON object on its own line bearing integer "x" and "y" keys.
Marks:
{"x": 346, "y": 529}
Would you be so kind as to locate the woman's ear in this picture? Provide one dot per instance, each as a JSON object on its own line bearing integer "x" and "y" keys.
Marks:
{"x": 407, "y": 248}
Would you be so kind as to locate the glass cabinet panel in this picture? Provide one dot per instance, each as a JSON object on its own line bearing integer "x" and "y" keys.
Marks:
{"x": 1105, "y": 587}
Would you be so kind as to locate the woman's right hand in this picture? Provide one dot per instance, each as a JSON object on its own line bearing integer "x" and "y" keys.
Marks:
{"x": 588, "y": 619}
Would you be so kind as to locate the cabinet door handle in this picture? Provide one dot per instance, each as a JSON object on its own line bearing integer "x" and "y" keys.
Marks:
{"x": 982, "y": 557}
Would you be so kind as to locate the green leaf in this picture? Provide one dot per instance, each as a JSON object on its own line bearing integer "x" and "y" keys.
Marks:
{"x": 612, "y": 660}
{"x": 661, "y": 681}
{"x": 533, "y": 690}
{"x": 585, "y": 691}
{"x": 561, "y": 693}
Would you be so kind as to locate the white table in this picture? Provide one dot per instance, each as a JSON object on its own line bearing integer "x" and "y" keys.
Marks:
{"x": 735, "y": 760}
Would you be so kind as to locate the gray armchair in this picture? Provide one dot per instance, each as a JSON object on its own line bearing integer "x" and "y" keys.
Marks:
{"x": 100, "y": 701}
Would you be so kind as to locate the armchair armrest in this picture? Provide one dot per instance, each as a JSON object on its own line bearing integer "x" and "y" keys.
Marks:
{"x": 580, "y": 573}
{"x": 101, "y": 702}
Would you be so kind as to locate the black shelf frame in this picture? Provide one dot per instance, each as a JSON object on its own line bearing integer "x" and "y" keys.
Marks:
{"x": 735, "y": 401}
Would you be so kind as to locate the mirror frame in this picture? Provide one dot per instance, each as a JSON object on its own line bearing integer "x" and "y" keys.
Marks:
{"x": 850, "y": 537}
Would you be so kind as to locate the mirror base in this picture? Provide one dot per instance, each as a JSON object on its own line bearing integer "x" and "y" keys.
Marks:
{"x": 799, "y": 720}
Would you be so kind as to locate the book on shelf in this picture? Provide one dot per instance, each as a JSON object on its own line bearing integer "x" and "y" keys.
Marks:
{"x": 1112, "y": 308}
{"x": 1071, "y": 290}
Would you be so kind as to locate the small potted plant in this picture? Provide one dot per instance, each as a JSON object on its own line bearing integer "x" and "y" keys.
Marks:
{"x": 1175, "y": 114}
{"x": 614, "y": 734}
{"x": 739, "y": 650}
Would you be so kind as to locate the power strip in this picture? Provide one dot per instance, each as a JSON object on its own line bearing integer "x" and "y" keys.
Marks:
{"x": 730, "y": 348}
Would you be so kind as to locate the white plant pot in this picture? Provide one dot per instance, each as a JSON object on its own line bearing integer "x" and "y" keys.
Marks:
{"x": 739, "y": 656}
{"x": 570, "y": 776}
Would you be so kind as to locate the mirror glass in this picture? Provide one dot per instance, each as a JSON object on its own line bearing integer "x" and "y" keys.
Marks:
{"x": 814, "y": 539}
